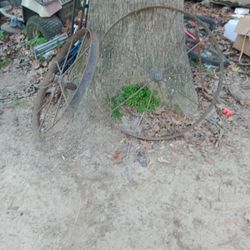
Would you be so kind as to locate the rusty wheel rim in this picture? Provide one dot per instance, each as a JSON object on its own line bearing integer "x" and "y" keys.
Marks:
{"x": 212, "y": 99}
{"x": 64, "y": 85}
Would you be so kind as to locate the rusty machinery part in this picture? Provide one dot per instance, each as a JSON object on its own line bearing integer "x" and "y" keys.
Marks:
{"x": 64, "y": 85}
{"x": 214, "y": 98}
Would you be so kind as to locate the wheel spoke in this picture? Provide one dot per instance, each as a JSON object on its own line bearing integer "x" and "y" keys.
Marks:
{"x": 51, "y": 106}
{"x": 57, "y": 109}
{"x": 69, "y": 70}
{"x": 131, "y": 96}
{"x": 65, "y": 60}
{"x": 60, "y": 85}
{"x": 47, "y": 110}
{"x": 141, "y": 118}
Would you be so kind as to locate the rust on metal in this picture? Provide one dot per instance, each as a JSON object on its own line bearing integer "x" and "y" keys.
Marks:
{"x": 221, "y": 69}
{"x": 86, "y": 79}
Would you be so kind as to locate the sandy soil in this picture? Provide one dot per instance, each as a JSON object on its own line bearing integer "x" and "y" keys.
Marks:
{"x": 74, "y": 191}
{"x": 89, "y": 187}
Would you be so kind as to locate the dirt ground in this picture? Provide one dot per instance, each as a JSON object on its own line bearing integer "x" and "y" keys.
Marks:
{"x": 74, "y": 191}
{"x": 91, "y": 187}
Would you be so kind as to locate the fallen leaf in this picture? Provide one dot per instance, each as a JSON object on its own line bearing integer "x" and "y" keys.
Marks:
{"x": 162, "y": 160}
{"x": 230, "y": 221}
{"x": 146, "y": 145}
{"x": 118, "y": 156}
{"x": 247, "y": 217}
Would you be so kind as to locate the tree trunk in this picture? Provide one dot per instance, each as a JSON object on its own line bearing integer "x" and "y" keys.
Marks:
{"x": 149, "y": 45}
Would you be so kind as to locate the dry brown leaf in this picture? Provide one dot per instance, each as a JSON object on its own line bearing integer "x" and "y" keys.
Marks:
{"x": 146, "y": 145}
{"x": 118, "y": 156}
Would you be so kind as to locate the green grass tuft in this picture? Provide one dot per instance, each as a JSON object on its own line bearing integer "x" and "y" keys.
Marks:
{"x": 2, "y": 35}
{"x": 3, "y": 62}
{"x": 133, "y": 95}
{"x": 37, "y": 40}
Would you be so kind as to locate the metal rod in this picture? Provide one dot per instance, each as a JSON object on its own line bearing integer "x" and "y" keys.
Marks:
{"x": 50, "y": 45}
{"x": 83, "y": 13}
{"x": 73, "y": 17}
{"x": 87, "y": 12}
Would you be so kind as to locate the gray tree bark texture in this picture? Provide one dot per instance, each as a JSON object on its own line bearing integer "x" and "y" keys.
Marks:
{"x": 148, "y": 47}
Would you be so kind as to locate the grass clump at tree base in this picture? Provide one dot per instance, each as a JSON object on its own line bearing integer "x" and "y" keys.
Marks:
{"x": 139, "y": 97}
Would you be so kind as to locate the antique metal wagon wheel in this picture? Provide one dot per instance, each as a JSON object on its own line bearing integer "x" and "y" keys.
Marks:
{"x": 69, "y": 75}
{"x": 120, "y": 94}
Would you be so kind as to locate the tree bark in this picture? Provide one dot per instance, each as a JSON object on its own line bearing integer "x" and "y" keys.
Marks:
{"x": 149, "y": 45}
